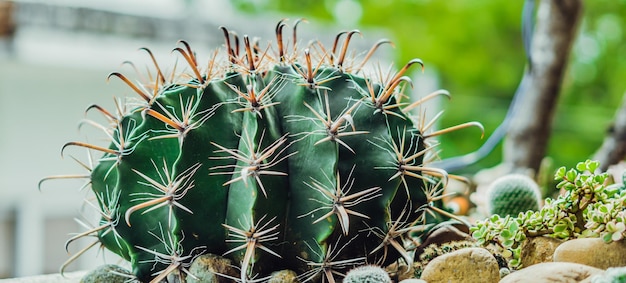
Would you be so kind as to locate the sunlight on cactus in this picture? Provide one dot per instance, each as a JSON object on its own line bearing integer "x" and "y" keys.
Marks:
{"x": 277, "y": 157}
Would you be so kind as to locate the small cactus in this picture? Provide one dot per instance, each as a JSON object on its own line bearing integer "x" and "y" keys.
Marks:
{"x": 367, "y": 274}
{"x": 512, "y": 194}
{"x": 108, "y": 273}
{"x": 299, "y": 160}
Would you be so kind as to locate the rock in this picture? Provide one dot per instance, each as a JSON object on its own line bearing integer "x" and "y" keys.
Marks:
{"x": 176, "y": 276}
{"x": 556, "y": 272}
{"x": 465, "y": 265}
{"x": 399, "y": 272}
{"x": 413, "y": 280}
{"x": 108, "y": 273}
{"x": 445, "y": 232}
{"x": 538, "y": 249}
{"x": 611, "y": 275}
{"x": 593, "y": 252}
{"x": 284, "y": 276}
{"x": 206, "y": 267}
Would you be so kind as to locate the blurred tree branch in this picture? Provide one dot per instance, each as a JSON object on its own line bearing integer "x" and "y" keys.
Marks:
{"x": 527, "y": 139}
{"x": 613, "y": 149}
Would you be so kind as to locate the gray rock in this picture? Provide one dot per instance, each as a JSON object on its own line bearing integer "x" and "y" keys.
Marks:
{"x": 205, "y": 269}
{"x": 284, "y": 276}
{"x": 400, "y": 272}
{"x": 593, "y": 252}
{"x": 445, "y": 232}
{"x": 554, "y": 272}
{"x": 538, "y": 249}
{"x": 467, "y": 265}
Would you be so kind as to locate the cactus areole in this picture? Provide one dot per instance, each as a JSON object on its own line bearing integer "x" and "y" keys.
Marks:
{"x": 276, "y": 157}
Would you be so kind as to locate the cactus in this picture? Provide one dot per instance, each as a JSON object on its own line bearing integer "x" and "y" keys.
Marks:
{"x": 108, "y": 273}
{"x": 298, "y": 160}
{"x": 512, "y": 194}
{"x": 367, "y": 274}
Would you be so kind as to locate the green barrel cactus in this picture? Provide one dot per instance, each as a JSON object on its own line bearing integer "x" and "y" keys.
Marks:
{"x": 276, "y": 157}
{"x": 512, "y": 194}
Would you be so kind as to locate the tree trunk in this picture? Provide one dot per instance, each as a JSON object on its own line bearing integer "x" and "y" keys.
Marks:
{"x": 613, "y": 149}
{"x": 529, "y": 132}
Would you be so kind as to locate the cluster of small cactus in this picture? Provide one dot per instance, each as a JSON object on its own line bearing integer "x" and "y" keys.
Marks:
{"x": 512, "y": 194}
{"x": 367, "y": 274}
{"x": 275, "y": 157}
{"x": 587, "y": 207}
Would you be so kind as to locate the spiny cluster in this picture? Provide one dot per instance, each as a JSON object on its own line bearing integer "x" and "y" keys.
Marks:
{"x": 284, "y": 158}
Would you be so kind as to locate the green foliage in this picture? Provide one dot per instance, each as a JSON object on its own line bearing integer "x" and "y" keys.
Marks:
{"x": 476, "y": 49}
{"x": 298, "y": 160}
{"x": 587, "y": 208}
{"x": 367, "y": 274}
{"x": 512, "y": 194}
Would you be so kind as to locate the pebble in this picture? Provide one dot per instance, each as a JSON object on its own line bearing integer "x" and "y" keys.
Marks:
{"x": 445, "y": 232}
{"x": 592, "y": 252}
{"x": 469, "y": 265}
{"x": 554, "y": 272}
{"x": 538, "y": 249}
{"x": 284, "y": 276}
{"x": 205, "y": 267}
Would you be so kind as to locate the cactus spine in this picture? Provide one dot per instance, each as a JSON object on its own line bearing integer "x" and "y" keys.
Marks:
{"x": 278, "y": 161}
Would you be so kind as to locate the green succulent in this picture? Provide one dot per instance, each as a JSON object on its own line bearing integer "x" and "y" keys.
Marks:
{"x": 281, "y": 157}
{"x": 587, "y": 208}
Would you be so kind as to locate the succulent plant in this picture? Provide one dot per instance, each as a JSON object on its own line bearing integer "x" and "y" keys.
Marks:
{"x": 300, "y": 160}
{"x": 512, "y": 194}
{"x": 587, "y": 208}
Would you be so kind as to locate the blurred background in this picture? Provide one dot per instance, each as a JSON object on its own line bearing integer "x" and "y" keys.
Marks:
{"x": 55, "y": 56}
